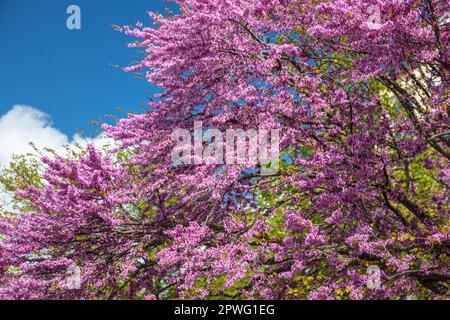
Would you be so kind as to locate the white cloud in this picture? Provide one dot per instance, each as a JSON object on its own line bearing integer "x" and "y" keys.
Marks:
{"x": 24, "y": 124}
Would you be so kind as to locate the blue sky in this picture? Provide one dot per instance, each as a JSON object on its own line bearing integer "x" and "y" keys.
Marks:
{"x": 68, "y": 74}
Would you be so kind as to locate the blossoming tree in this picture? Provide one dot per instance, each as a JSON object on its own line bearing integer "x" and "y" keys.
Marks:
{"x": 363, "y": 106}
